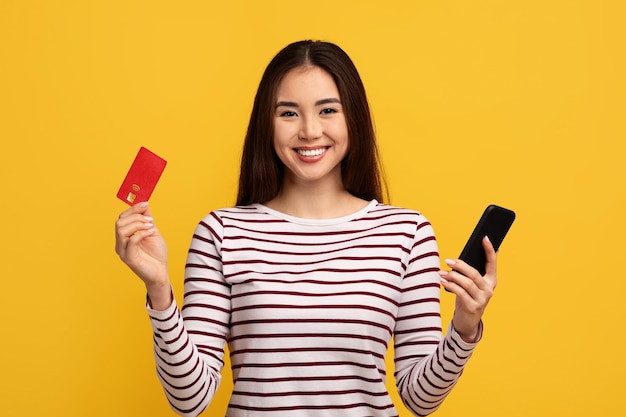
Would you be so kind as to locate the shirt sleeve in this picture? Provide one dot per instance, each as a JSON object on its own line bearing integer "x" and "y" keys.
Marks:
{"x": 427, "y": 364}
{"x": 189, "y": 343}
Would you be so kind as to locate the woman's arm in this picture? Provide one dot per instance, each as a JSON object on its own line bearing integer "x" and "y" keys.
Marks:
{"x": 427, "y": 365}
{"x": 188, "y": 343}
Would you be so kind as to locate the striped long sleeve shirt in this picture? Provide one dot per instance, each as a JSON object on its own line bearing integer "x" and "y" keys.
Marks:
{"x": 308, "y": 309}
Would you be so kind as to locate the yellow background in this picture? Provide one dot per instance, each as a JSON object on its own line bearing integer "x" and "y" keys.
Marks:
{"x": 519, "y": 103}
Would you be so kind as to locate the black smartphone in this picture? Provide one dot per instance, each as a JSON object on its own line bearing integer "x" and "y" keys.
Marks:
{"x": 495, "y": 223}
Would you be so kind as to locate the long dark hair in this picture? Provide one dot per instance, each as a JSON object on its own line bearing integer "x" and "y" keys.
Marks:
{"x": 261, "y": 172}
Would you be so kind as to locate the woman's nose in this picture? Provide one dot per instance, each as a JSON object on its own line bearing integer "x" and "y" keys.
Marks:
{"x": 311, "y": 128}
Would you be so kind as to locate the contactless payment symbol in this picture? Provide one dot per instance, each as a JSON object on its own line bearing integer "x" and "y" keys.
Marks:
{"x": 132, "y": 195}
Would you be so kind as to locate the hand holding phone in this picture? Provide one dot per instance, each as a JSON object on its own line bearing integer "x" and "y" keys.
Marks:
{"x": 494, "y": 223}
{"x": 470, "y": 305}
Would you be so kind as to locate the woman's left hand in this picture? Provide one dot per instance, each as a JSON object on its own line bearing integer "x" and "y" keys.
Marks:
{"x": 472, "y": 290}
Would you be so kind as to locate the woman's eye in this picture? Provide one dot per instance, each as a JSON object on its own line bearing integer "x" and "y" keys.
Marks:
{"x": 288, "y": 113}
{"x": 328, "y": 111}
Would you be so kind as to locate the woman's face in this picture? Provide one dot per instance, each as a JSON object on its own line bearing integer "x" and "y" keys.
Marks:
{"x": 310, "y": 130}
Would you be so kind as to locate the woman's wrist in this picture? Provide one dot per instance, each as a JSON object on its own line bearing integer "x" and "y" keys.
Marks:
{"x": 160, "y": 295}
{"x": 469, "y": 337}
{"x": 472, "y": 336}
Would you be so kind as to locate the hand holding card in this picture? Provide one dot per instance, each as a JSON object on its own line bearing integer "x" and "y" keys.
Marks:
{"x": 142, "y": 177}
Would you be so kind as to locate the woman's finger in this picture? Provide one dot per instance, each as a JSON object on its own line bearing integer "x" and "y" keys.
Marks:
{"x": 467, "y": 274}
{"x": 137, "y": 209}
{"x": 461, "y": 284}
{"x": 132, "y": 234}
{"x": 492, "y": 262}
{"x": 130, "y": 224}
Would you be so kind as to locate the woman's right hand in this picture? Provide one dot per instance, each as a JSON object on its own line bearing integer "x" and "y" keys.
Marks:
{"x": 140, "y": 246}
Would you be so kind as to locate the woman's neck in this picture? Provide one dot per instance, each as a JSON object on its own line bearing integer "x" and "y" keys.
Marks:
{"x": 310, "y": 202}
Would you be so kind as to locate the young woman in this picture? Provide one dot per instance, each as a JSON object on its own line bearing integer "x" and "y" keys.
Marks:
{"x": 310, "y": 275}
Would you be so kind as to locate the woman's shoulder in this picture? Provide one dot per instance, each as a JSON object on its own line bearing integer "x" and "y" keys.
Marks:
{"x": 399, "y": 214}
{"x": 242, "y": 213}
{"x": 392, "y": 210}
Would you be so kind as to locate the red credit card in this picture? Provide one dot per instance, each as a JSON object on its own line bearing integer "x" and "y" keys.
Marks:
{"x": 142, "y": 177}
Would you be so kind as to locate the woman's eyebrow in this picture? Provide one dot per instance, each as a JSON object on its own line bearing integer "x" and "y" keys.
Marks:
{"x": 317, "y": 103}
{"x": 327, "y": 101}
{"x": 286, "y": 104}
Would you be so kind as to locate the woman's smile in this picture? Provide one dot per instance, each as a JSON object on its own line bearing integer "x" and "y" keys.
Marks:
{"x": 308, "y": 154}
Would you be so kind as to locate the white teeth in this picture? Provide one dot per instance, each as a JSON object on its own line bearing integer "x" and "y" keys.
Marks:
{"x": 311, "y": 152}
